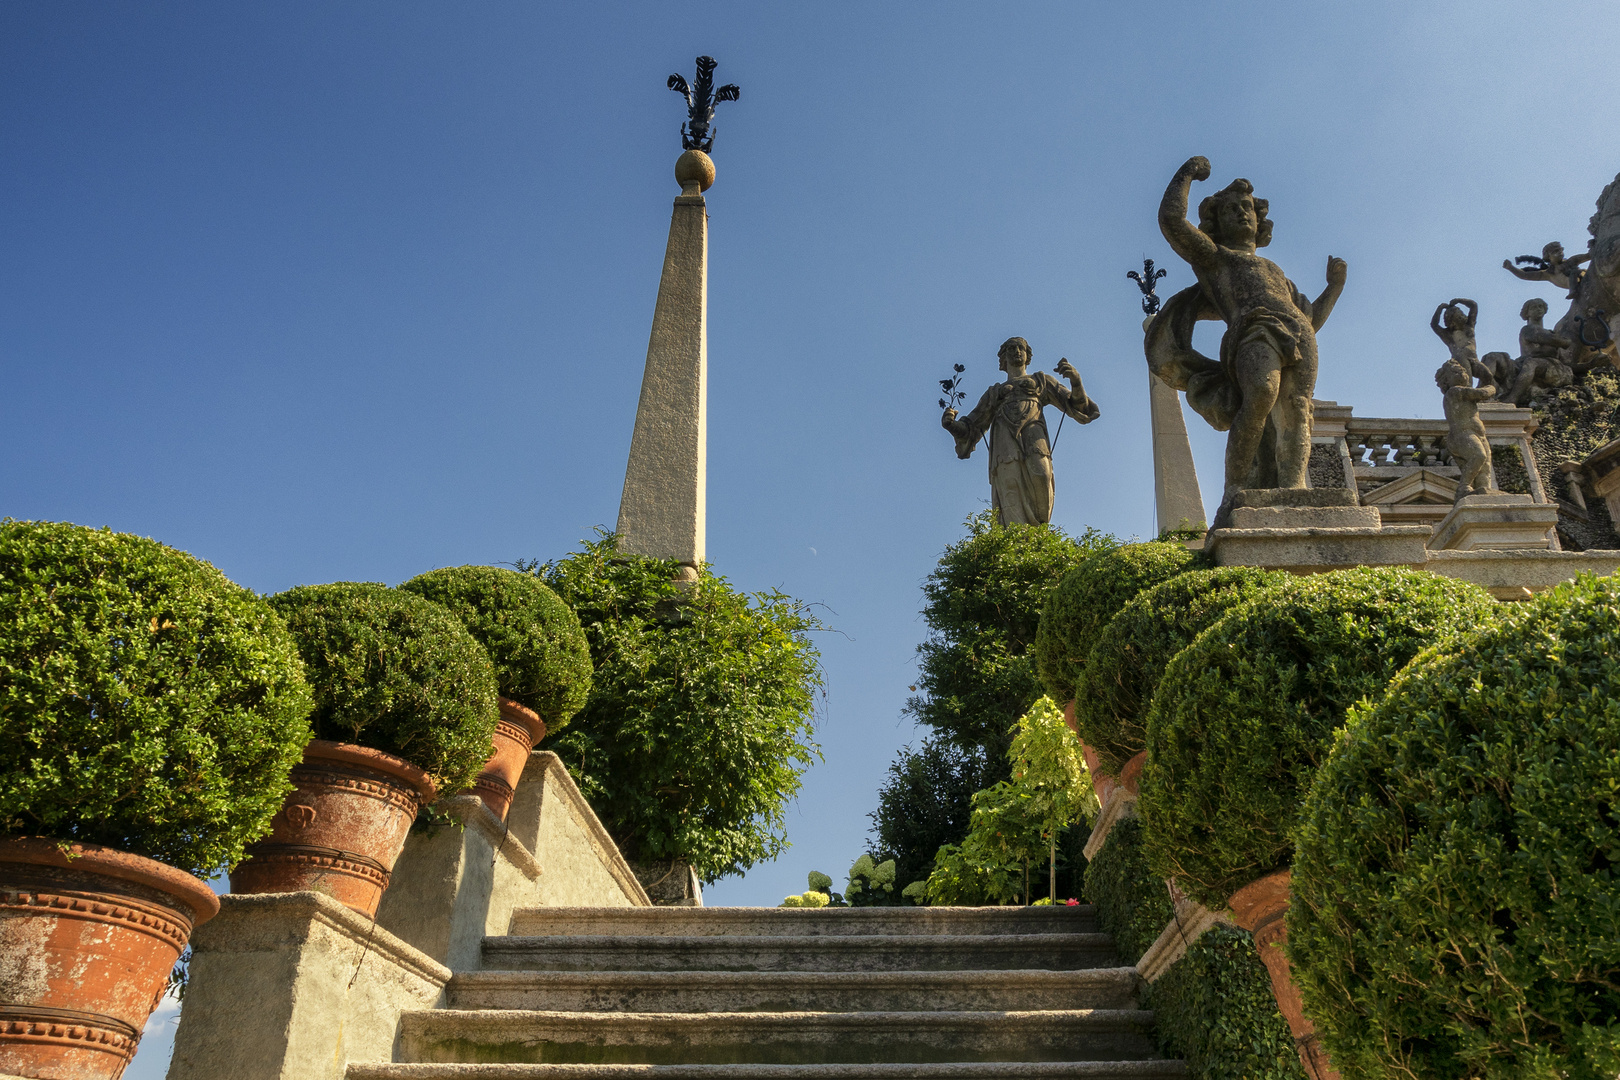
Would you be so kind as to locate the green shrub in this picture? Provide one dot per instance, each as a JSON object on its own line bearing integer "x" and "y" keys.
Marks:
{"x": 1089, "y": 596}
{"x": 533, "y": 639}
{"x": 1214, "y": 1010}
{"x": 1244, "y": 715}
{"x": 1123, "y": 668}
{"x": 146, "y": 702}
{"x": 982, "y": 606}
{"x": 1132, "y": 902}
{"x": 871, "y": 884}
{"x": 699, "y": 721}
{"x": 1456, "y": 905}
{"x": 397, "y": 673}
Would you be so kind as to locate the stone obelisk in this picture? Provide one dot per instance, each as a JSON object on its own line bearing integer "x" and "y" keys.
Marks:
{"x": 1177, "y": 502}
{"x": 661, "y": 512}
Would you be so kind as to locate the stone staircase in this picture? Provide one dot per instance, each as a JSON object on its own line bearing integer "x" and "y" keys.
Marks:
{"x": 732, "y": 993}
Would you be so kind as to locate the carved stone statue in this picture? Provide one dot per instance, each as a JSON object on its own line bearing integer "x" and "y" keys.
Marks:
{"x": 1470, "y": 449}
{"x": 1594, "y": 292}
{"x": 1453, "y": 323}
{"x": 1021, "y": 487}
{"x": 1261, "y": 387}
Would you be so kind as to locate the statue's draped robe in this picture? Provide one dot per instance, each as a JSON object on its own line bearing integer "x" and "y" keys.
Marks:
{"x": 1021, "y": 487}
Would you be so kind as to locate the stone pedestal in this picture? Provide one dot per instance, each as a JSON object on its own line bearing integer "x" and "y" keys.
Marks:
{"x": 1309, "y": 530}
{"x": 1495, "y": 523}
{"x": 294, "y": 986}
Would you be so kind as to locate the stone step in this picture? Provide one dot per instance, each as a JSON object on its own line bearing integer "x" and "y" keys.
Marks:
{"x": 784, "y": 1038}
{"x": 824, "y": 952}
{"x": 802, "y": 922}
{"x": 993, "y": 1070}
{"x": 790, "y": 991}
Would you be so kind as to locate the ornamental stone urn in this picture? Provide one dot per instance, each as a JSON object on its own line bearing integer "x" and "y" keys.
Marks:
{"x": 341, "y": 829}
{"x": 87, "y": 940}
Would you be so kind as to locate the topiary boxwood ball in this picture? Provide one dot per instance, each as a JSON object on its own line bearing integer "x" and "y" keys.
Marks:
{"x": 1088, "y": 596}
{"x": 395, "y": 672}
{"x": 1456, "y": 905}
{"x": 146, "y": 702}
{"x": 1123, "y": 669}
{"x": 540, "y": 654}
{"x": 1245, "y": 714}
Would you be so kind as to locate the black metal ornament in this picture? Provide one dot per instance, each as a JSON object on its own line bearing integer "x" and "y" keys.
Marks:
{"x": 701, "y": 98}
{"x": 1146, "y": 281}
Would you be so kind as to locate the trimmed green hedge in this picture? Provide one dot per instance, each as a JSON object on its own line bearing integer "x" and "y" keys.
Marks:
{"x": 1132, "y": 902}
{"x": 146, "y": 702}
{"x": 1214, "y": 1010}
{"x": 1244, "y": 715}
{"x": 397, "y": 673}
{"x": 1090, "y": 595}
{"x": 1456, "y": 894}
{"x": 540, "y": 655}
{"x": 1124, "y": 667}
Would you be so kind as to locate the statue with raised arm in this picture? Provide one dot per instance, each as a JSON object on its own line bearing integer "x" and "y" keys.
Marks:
{"x": 1261, "y": 388}
{"x": 1550, "y": 266}
{"x": 1012, "y": 413}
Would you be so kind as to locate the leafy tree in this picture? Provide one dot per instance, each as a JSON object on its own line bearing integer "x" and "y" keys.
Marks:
{"x": 925, "y": 802}
{"x": 982, "y": 606}
{"x": 1016, "y": 823}
{"x": 699, "y": 722}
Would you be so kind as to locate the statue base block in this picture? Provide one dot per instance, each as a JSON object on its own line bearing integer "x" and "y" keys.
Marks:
{"x": 1311, "y": 530}
{"x": 1494, "y": 523}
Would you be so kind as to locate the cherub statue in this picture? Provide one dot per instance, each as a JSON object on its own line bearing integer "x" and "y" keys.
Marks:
{"x": 1551, "y": 267}
{"x": 1021, "y": 485}
{"x": 1543, "y": 356}
{"x": 1262, "y": 387}
{"x": 1455, "y": 326}
{"x": 1469, "y": 448}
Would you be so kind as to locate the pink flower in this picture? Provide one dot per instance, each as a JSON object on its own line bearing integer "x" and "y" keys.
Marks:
{"x": 1071, "y": 902}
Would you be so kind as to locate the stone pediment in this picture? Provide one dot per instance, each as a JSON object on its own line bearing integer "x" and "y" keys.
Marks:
{"x": 1423, "y": 496}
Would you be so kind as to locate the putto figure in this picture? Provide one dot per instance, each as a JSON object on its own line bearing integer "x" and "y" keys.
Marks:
{"x": 1470, "y": 449}
{"x": 1021, "y": 483}
{"x": 1261, "y": 387}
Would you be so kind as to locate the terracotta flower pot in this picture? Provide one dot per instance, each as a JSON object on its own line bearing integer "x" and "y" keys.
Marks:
{"x": 342, "y": 828}
{"x": 1101, "y": 782}
{"x": 86, "y": 947}
{"x": 516, "y": 734}
{"x": 1130, "y": 773}
{"x": 1261, "y": 907}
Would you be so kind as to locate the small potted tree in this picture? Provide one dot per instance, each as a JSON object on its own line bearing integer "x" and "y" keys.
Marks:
{"x": 404, "y": 708}
{"x": 542, "y": 662}
{"x": 150, "y": 712}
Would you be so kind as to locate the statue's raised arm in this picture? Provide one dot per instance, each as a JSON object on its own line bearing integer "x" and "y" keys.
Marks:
{"x": 1185, "y": 238}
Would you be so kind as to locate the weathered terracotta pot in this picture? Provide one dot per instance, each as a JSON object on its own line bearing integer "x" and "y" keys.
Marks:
{"x": 342, "y": 828}
{"x": 1101, "y": 782}
{"x": 86, "y": 946}
{"x": 516, "y": 735}
{"x": 1130, "y": 773}
{"x": 1261, "y": 907}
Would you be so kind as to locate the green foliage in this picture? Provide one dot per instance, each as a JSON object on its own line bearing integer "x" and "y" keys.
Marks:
{"x": 146, "y": 702}
{"x": 1133, "y": 904}
{"x": 698, "y": 725}
{"x": 533, "y": 639}
{"x": 926, "y": 802}
{"x": 871, "y": 884}
{"x": 982, "y": 606}
{"x": 811, "y": 899}
{"x": 1214, "y": 1010}
{"x": 397, "y": 673}
{"x": 1244, "y": 715}
{"x": 1123, "y": 669}
{"x": 1015, "y": 824}
{"x": 820, "y": 882}
{"x": 1087, "y": 597}
{"x": 1456, "y": 905}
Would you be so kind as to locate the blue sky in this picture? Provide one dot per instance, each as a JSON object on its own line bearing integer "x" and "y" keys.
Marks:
{"x": 324, "y": 292}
